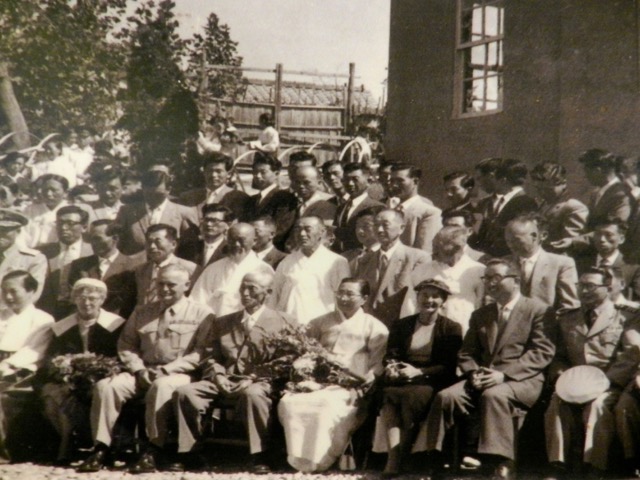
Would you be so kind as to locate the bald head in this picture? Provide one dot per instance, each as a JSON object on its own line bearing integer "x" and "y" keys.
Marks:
{"x": 261, "y": 277}
{"x": 240, "y": 240}
{"x": 449, "y": 243}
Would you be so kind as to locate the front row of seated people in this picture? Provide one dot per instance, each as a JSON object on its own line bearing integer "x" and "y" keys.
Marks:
{"x": 180, "y": 358}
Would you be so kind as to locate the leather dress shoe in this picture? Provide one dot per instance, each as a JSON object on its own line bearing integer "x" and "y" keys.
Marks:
{"x": 175, "y": 467}
{"x": 260, "y": 469}
{"x": 145, "y": 464}
{"x": 94, "y": 462}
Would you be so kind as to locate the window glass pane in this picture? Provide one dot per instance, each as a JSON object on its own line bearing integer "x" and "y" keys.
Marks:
{"x": 494, "y": 59}
{"x": 478, "y": 55}
{"x": 492, "y": 89}
{"x": 474, "y": 95}
{"x": 491, "y": 21}
{"x": 471, "y": 25}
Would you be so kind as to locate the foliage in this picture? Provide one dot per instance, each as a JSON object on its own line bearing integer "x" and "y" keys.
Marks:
{"x": 298, "y": 363}
{"x": 159, "y": 110}
{"x": 215, "y": 47}
{"x": 81, "y": 371}
{"x": 63, "y": 59}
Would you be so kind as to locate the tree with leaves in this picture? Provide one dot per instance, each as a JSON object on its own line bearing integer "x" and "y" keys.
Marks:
{"x": 60, "y": 64}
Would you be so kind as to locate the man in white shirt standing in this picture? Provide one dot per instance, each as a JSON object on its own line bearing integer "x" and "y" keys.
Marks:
{"x": 306, "y": 279}
{"x": 218, "y": 286}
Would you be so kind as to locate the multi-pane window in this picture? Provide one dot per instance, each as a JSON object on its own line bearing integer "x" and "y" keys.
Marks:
{"x": 479, "y": 62}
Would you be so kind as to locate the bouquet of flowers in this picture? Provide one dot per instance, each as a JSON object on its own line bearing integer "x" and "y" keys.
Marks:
{"x": 298, "y": 363}
{"x": 81, "y": 371}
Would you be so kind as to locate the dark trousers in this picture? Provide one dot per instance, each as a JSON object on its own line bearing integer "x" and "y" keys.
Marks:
{"x": 252, "y": 405}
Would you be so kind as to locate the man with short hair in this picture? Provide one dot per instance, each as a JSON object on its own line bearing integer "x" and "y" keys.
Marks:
{"x": 265, "y": 229}
{"x": 356, "y": 184}
{"x": 607, "y": 238}
{"x": 306, "y": 279}
{"x": 503, "y": 358}
{"x": 333, "y": 176}
{"x": 15, "y": 257}
{"x": 502, "y": 179}
{"x": 599, "y": 335}
{"x": 390, "y": 271}
{"x": 161, "y": 243}
{"x": 218, "y": 284}
{"x": 110, "y": 266}
{"x": 109, "y": 186}
{"x": 236, "y": 345}
{"x": 134, "y": 219}
{"x": 71, "y": 224}
{"x": 270, "y": 201}
{"x": 466, "y": 220}
{"x": 366, "y": 235}
{"x": 217, "y": 168}
{"x": 313, "y": 201}
{"x": 151, "y": 347}
{"x": 212, "y": 246}
{"x": 548, "y": 277}
{"x": 458, "y": 187}
{"x": 422, "y": 219}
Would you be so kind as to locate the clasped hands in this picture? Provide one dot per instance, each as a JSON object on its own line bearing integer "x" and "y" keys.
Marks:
{"x": 231, "y": 384}
{"x": 402, "y": 371}
{"x": 485, "y": 378}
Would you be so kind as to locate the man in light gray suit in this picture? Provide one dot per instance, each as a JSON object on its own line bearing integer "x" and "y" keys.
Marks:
{"x": 390, "y": 270}
{"x": 548, "y": 277}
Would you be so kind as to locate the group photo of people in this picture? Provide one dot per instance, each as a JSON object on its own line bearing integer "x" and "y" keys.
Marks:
{"x": 338, "y": 320}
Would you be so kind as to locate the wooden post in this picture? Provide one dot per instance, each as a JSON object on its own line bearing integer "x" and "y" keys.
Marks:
{"x": 349, "y": 101}
{"x": 277, "y": 101}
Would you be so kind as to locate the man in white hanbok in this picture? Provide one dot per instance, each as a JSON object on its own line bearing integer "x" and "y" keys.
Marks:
{"x": 219, "y": 284}
{"x": 306, "y": 279}
{"x": 462, "y": 274}
{"x": 318, "y": 425}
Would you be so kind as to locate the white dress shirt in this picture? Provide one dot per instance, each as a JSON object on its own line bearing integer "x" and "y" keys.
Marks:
{"x": 209, "y": 248}
{"x": 155, "y": 214}
{"x": 27, "y": 335}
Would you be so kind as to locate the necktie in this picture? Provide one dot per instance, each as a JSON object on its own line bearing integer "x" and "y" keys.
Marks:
{"x": 590, "y": 318}
{"x": 208, "y": 252}
{"x": 65, "y": 261}
{"x": 345, "y": 213}
{"x": 498, "y": 205}
{"x": 103, "y": 266}
{"x": 383, "y": 263}
{"x": 604, "y": 262}
{"x": 164, "y": 322}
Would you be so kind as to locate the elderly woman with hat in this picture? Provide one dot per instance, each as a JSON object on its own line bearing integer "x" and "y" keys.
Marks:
{"x": 90, "y": 330}
{"x": 421, "y": 359}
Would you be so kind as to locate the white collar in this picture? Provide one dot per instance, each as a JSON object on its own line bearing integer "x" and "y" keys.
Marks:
{"x": 359, "y": 313}
{"x": 409, "y": 201}
{"x": 75, "y": 246}
{"x": 263, "y": 253}
{"x": 611, "y": 259}
{"x": 533, "y": 258}
{"x": 509, "y": 306}
{"x": 316, "y": 197}
{"x": 178, "y": 306}
{"x": 170, "y": 259}
{"x": 215, "y": 244}
{"x": 266, "y": 191}
{"x": 217, "y": 191}
{"x": 389, "y": 253}
{"x": 606, "y": 187}
{"x": 255, "y": 315}
{"x": 160, "y": 207}
{"x": 111, "y": 258}
{"x": 509, "y": 195}
{"x": 358, "y": 200}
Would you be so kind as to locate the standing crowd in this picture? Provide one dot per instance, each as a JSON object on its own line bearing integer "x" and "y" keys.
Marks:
{"x": 515, "y": 311}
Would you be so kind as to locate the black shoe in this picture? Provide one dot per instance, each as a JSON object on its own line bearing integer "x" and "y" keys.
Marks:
{"x": 145, "y": 464}
{"x": 259, "y": 464}
{"x": 94, "y": 463}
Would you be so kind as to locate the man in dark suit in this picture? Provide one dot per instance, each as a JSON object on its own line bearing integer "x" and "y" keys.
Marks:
{"x": 110, "y": 266}
{"x": 265, "y": 229}
{"x": 270, "y": 200}
{"x": 313, "y": 201}
{"x": 503, "y": 358}
{"x": 356, "y": 183}
{"x": 217, "y": 169}
{"x": 548, "y": 277}
{"x": 608, "y": 237}
{"x": 134, "y": 219}
{"x": 71, "y": 224}
{"x": 502, "y": 179}
{"x": 390, "y": 270}
{"x": 610, "y": 199}
{"x": 235, "y": 344}
{"x": 422, "y": 219}
{"x": 333, "y": 176}
{"x": 211, "y": 247}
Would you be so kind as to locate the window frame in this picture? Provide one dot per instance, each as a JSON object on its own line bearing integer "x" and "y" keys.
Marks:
{"x": 459, "y": 63}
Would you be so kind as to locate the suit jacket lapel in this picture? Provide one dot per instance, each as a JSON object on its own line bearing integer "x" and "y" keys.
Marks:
{"x": 394, "y": 265}
{"x": 510, "y": 326}
{"x": 143, "y": 217}
{"x": 603, "y": 321}
{"x": 537, "y": 273}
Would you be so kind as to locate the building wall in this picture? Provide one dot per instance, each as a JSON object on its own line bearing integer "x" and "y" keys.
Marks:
{"x": 571, "y": 83}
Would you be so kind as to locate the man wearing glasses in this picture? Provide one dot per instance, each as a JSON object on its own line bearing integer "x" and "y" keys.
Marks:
{"x": 595, "y": 334}
{"x": 503, "y": 358}
{"x": 71, "y": 224}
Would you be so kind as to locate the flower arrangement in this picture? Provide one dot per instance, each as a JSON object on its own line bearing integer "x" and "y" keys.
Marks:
{"x": 298, "y": 363}
{"x": 81, "y": 371}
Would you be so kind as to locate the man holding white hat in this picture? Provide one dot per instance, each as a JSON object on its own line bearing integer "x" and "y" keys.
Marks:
{"x": 595, "y": 334}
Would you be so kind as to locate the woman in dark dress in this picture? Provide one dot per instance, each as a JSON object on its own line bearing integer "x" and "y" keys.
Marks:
{"x": 421, "y": 360}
